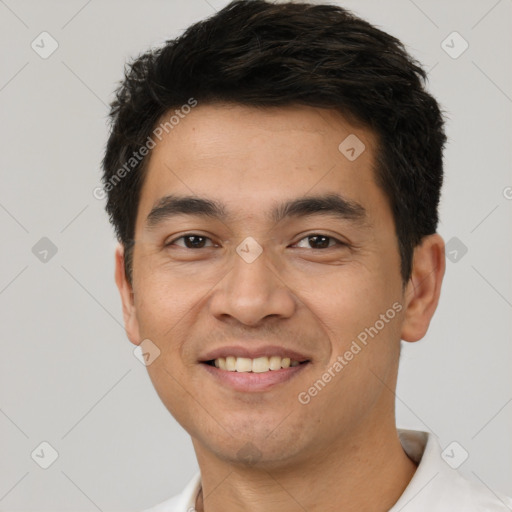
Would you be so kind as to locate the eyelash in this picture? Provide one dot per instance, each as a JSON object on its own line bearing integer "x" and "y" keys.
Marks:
{"x": 338, "y": 243}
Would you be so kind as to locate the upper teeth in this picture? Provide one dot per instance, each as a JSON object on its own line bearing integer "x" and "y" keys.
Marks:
{"x": 256, "y": 365}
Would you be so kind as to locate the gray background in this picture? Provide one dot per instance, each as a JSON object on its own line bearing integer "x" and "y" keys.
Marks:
{"x": 68, "y": 374}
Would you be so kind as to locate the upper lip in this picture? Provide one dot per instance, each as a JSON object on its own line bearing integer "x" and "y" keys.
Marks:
{"x": 253, "y": 352}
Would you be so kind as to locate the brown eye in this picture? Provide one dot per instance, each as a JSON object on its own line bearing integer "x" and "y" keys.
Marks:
{"x": 191, "y": 241}
{"x": 318, "y": 241}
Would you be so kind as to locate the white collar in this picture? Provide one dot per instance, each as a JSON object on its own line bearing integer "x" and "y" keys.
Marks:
{"x": 434, "y": 487}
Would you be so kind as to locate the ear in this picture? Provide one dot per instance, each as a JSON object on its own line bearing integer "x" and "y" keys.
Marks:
{"x": 424, "y": 287}
{"x": 131, "y": 323}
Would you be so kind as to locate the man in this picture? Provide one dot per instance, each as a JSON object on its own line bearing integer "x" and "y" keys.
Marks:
{"x": 273, "y": 176}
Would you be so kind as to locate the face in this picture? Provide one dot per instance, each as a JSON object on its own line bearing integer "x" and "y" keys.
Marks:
{"x": 262, "y": 246}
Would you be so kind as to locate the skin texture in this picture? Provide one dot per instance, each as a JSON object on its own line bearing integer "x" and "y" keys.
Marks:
{"x": 341, "y": 450}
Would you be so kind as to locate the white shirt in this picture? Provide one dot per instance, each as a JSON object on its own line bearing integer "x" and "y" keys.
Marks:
{"x": 434, "y": 487}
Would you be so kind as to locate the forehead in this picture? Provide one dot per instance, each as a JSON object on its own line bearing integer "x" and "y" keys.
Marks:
{"x": 247, "y": 158}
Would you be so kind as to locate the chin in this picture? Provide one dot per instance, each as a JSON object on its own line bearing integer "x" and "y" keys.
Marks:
{"x": 254, "y": 446}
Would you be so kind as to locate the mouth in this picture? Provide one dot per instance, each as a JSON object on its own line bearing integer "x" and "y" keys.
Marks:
{"x": 254, "y": 365}
{"x": 258, "y": 371}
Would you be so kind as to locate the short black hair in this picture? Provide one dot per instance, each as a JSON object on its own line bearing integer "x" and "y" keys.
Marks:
{"x": 260, "y": 54}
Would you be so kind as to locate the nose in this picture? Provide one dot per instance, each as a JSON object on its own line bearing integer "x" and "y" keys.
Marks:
{"x": 252, "y": 291}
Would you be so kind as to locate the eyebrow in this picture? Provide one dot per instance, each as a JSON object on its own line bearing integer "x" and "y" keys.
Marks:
{"x": 332, "y": 205}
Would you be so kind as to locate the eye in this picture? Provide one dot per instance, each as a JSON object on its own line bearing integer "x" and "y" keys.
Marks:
{"x": 191, "y": 241}
{"x": 317, "y": 241}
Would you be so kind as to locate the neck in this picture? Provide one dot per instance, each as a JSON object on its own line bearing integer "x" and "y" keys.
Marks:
{"x": 366, "y": 471}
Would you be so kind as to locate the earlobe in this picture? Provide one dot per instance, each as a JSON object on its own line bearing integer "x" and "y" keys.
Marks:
{"x": 127, "y": 298}
{"x": 424, "y": 287}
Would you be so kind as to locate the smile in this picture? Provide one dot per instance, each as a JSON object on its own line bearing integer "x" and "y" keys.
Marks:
{"x": 254, "y": 365}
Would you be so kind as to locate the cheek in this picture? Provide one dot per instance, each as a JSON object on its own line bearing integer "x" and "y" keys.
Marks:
{"x": 165, "y": 311}
{"x": 164, "y": 296}
{"x": 169, "y": 304}
{"x": 360, "y": 311}
{"x": 350, "y": 300}
{"x": 362, "y": 317}
{"x": 162, "y": 308}
{"x": 168, "y": 292}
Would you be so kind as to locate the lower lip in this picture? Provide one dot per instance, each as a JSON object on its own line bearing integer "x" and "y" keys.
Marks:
{"x": 248, "y": 382}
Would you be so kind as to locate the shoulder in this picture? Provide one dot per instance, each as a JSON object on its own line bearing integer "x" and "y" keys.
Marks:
{"x": 170, "y": 505}
{"x": 183, "y": 502}
{"x": 437, "y": 486}
{"x": 468, "y": 495}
